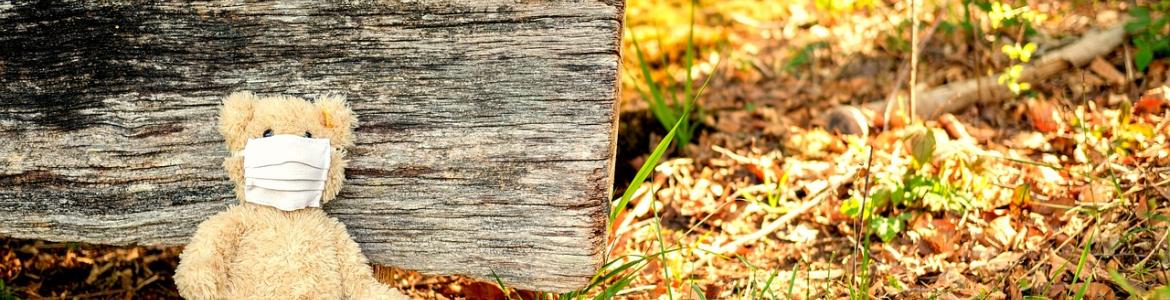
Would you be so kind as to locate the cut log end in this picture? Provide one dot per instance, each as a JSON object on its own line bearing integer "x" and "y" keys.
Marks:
{"x": 846, "y": 120}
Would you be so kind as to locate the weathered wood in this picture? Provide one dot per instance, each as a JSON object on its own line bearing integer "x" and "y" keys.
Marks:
{"x": 485, "y": 145}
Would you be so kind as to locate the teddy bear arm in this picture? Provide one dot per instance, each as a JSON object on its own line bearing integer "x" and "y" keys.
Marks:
{"x": 203, "y": 265}
{"x": 357, "y": 275}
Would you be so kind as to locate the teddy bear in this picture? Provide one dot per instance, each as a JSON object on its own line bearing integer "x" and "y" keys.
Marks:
{"x": 286, "y": 158}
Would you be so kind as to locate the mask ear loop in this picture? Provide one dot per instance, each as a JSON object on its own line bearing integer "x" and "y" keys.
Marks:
{"x": 328, "y": 159}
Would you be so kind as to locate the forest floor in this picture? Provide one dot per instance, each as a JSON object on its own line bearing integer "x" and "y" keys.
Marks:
{"x": 1059, "y": 189}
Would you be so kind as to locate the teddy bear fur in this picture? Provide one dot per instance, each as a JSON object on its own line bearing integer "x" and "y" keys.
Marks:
{"x": 252, "y": 251}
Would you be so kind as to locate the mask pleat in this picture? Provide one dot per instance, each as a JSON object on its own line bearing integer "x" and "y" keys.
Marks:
{"x": 286, "y": 172}
{"x": 286, "y": 185}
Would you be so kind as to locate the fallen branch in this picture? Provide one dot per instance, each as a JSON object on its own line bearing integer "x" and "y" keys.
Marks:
{"x": 957, "y": 96}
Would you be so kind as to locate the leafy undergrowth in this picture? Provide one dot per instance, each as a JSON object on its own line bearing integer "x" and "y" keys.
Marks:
{"x": 31, "y": 269}
{"x": 1059, "y": 192}
{"x": 960, "y": 218}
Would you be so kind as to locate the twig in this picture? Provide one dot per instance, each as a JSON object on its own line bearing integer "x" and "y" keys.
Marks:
{"x": 1157, "y": 247}
{"x": 904, "y": 70}
{"x": 976, "y": 62}
{"x": 913, "y": 59}
{"x": 102, "y": 294}
{"x": 783, "y": 220}
{"x": 861, "y": 215}
{"x": 773, "y": 226}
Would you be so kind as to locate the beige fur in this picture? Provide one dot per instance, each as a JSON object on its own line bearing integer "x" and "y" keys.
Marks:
{"x": 251, "y": 251}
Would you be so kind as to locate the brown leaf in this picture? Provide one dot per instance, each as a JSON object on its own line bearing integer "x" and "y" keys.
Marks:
{"x": 938, "y": 233}
{"x": 954, "y": 127}
{"x": 1108, "y": 71}
{"x": 482, "y": 290}
{"x": 1153, "y": 100}
{"x": 1001, "y": 262}
{"x": 1004, "y": 234}
{"x": 1096, "y": 290}
{"x": 1044, "y": 116}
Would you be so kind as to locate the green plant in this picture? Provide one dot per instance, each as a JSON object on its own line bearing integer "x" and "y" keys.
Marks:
{"x": 5, "y": 293}
{"x": 677, "y": 114}
{"x": 791, "y": 281}
{"x": 1003, "y": 16}
{"x": 778, "y": 191}
{"x": 1149, "y": 34}
{"x": 500, "y": 284}
{"x": 1011, "y": 76}
{"x": 921, "y": 187}
{"x": 623, "y": 274}
{"x": 803, "y": 57}
{"x": 860, "y": 290}
{"x": 1016, "y": 23}
{"x": 859, "y": 283}
{"x": 665, "y": 104}
{"x": 1160, "y": 292}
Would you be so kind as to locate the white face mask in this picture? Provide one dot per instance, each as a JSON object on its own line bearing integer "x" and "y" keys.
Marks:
{"x": 287, "y": 172}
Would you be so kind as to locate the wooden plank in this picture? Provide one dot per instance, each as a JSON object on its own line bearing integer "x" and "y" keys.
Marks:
{"x": 485, "y": 146}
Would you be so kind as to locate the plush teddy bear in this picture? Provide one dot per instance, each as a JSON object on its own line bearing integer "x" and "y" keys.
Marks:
{"x": 287, "y": 157}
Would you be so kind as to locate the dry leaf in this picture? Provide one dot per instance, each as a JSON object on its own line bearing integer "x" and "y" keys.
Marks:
{"x": 1001, "y": 262}
{"x": 1108, "y": 71}
{"x": 1045, "y": 118}
{"x": 1096, "y": 290}
{"x": 938, "y": 233}
{"x": 1153, "y": 100}
{"x": 1003, "y": 233}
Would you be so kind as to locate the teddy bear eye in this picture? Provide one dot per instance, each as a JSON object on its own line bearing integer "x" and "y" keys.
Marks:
{"x": 268, "y": 133}
{"x": 308, "y": 135}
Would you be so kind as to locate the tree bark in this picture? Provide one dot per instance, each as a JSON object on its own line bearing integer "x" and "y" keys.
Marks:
{"x": 485, "y": 147}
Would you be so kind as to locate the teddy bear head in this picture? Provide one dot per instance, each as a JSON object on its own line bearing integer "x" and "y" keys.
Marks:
{"x": 246, "y": 116}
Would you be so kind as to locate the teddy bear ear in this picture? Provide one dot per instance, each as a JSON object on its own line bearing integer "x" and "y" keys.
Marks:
{"x": 336, "y": 117}
{"x": 234, "y": 117}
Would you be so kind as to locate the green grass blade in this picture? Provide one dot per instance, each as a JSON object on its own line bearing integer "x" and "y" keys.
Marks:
{"x": 662, "y": 247}
{"x": 1084, "y": 289}
{"x": 656, "y": 101}
{"x": 698, "y": 291}
{"x": 768, "y": 285}
{"x": 645, "y": 170}
{"x": 614, "y": 289}
{"x": 1124, "y": 284}
{"x": 792, "y": 281}
{"x": 500, "y": 284}
{"x": 600, "y": 278}
{"x": 1080, "y": 266}
{"x": 613, "y": 273}
{"x": 707, "y": 81}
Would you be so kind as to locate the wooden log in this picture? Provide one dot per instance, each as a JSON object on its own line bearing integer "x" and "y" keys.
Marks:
{"x": 485, "y": 147}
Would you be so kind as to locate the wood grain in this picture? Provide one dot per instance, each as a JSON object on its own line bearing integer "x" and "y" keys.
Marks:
{"x": 485, "y": 146}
